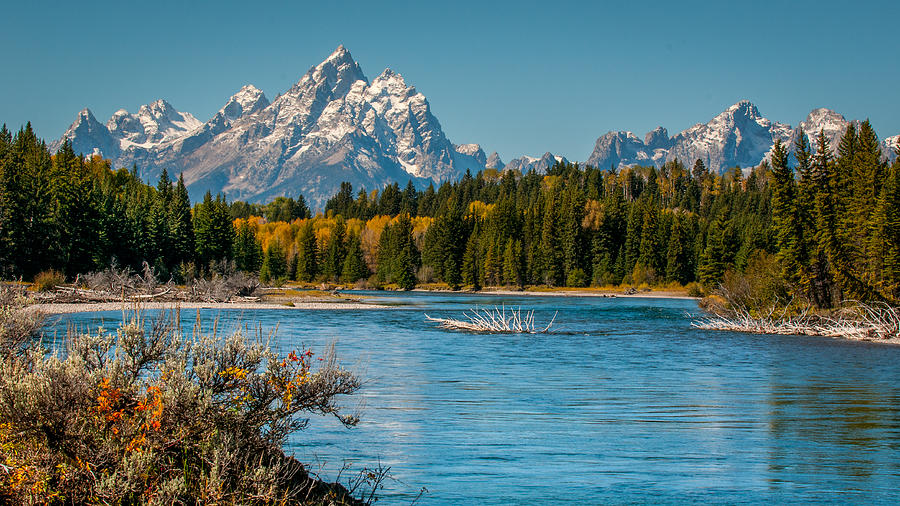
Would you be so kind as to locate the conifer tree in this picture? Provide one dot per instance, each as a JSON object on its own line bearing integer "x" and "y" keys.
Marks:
{"x": 307, "y": 251}
{"x": 551, "y": 251}
{"x": 181, "y": 227}
{"x": 335, "y": 252}
{"x": 75, "y": 213}
{"x": 248, "y": 254}
{"x": 784, "y": 198}
{"x": 274, "y": 265}
{"x": 826, "y": 220}
{"x": 712, "y": 263}
{"x": 213, "y": 230}
{"x": 407, "y": 255}
{"x": 354, "y": 267}
{"x": 512, "y": 268}
{"x": 678, "y": 267}
{"x": 471, "y": 273}
{"x": 650, "y": 256}
{"x": 160, "y": 227}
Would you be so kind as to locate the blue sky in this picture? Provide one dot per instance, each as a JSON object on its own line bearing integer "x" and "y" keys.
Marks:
{"x": 518, "y": 77}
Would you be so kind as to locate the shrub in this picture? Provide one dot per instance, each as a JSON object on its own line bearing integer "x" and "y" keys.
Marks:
{"x": 759, "y": 286}
{"x": 577, "y": 278}
{"x": 149, "y": 415}
{"x": 643, "y": 275}
{"x": 17, "y": 326}
{"x": 695, "y": 289}
{"x": 48, "y": 280}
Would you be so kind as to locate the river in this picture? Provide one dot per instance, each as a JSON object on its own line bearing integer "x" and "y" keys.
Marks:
{"x": 623, "y": 401}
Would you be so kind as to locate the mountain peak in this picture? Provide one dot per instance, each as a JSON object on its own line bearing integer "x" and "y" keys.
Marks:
{"x": 744, "y": 108}
{"x": 823, "y": 114}
{"x": 657, "y": 138}
{"x": 494, "y": 162}
{"x": 85, "y": 115}
{"x": 340, "y": 56}
{"x": 247, "y": 100}
{"x": 336, "y": 74}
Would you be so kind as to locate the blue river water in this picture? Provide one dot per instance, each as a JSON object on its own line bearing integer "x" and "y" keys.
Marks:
{"x": 623, "y": 401}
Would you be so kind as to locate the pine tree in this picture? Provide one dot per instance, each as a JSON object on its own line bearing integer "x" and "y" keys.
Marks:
{"x": 213, "y": 230}
{"x": 181, "y": 227}
{"x": 650, "y": 256}
{"x": 26, "y": 226}
{"x": 248, "y": 254}
{"x": 471, "y": 273}
{"x": 407, "y": 255}
{"x": 551, "y": 252}
{"x": 512, "y": 268}
{"x": 712, "y": 263}
{"x": 354, "y": 266}
{"x": 75, "y": 213}
{"x": 784, "y": 198}
{"x": 335, "y": 251}
{"x": 160, "y": 227}
{"x": 307, "y": 252}
{"x": 274, "y": 265}
{"x": 825, "y": 214}
{"x": 678, "y": 267}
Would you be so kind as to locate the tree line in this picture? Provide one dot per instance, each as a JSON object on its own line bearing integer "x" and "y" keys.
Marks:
{"x": 827, "y": 225}
{"x": 77, "y": 214}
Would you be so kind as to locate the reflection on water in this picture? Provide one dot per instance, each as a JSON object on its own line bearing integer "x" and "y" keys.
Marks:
{"x": 625, "y": 402}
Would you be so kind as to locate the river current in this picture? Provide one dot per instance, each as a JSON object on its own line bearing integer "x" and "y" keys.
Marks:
{"x": 622, "y": 401}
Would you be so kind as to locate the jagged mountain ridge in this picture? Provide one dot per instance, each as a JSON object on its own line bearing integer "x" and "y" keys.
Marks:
{"x": 333, "y": 125}
{"x": 738, "y": 137}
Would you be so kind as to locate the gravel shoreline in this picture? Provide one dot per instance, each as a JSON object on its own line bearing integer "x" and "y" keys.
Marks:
{"x": 90, "y": 307}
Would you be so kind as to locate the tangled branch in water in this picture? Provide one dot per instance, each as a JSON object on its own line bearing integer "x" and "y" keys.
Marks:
{"x": 495, "y": 320}
{"x": 856, "y": 320}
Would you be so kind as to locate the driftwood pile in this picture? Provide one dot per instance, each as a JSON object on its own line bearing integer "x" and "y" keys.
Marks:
{"x": 856, "y": 320}
{"x": 494, "y": 320}
{"x": 124, "y": 285}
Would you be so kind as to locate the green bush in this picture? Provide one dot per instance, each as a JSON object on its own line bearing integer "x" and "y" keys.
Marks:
{"x": 48, "y": 280}
{"x": 577, "y": 278}
{"x": 695, "y": 289}
{"x": 149, "y": 415}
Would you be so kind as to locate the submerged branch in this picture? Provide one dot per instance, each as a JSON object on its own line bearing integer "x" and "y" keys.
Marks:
{"x": 856, "y": 320}
{"x": 495, "y": 320}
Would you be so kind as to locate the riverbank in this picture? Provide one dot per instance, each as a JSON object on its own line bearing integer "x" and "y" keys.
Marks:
{"x": 333, "y": 298}
{"x": 90, "y": 307}
{"x": 653, "y": 294}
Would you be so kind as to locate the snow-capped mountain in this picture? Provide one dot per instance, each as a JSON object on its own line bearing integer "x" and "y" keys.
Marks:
{"x": 527, "y": 163}
{"x": 738, "y": 137}
{"x": 333, "y": 125}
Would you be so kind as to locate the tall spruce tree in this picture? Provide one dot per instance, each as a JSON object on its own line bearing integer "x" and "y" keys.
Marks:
{"x": 335, "y": 251}
{"x": 307, "y": 253}
{"x": 181, "y": 227}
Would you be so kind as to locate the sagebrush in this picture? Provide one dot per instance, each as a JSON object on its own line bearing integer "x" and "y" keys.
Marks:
{"x": 150, "y": 414}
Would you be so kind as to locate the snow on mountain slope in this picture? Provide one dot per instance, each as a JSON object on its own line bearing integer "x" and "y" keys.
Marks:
{"x": 739, "y": 136}
{"x": 494, "y": 162}
{"x": 539, "y": 165}
{"x": 88, "y": 136}
{"x": 333, "y": 125}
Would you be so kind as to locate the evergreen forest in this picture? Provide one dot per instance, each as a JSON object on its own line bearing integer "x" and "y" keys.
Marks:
{"x": 813, "y": 222}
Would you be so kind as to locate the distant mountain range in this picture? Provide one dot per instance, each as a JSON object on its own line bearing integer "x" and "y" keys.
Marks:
{"x": 738, "y": 137}
{"x": 335, "y": 125}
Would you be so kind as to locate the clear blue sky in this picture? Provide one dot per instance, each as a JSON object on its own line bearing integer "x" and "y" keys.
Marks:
{"x": 518, "y": 77}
